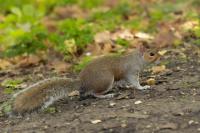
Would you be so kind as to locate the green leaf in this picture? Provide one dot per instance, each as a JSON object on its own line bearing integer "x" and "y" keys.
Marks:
{"x": 122, "y": 42}
{"x": 50, "y": 110}
{"x": 16, "y": 11}
{"x": 5, "y": 108}
{"x": 84, "y": 61}
{"x": 28, "y": 10}
{"x": 11, "y": 85}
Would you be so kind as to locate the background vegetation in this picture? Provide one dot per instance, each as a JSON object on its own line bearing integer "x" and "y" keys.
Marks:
{"x": 71, "y": 27}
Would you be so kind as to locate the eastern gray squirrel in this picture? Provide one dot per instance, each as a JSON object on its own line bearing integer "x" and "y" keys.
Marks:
{"x": 95, "y": 79}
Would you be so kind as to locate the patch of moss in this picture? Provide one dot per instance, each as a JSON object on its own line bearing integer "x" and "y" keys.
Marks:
{"x": 11, "y": 85}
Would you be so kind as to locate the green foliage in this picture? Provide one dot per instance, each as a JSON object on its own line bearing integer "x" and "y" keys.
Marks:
{"x": 122, "y": 42}
{"x": 63, "y": 2}
{"x": 112, "y": 18}
{"x": 197, "y": 36}
{"x": 84, "y": 61}
{"x": 27, "y": 43}
{"x": 75, "y": 34}
{"x": 7, "y": 4}
{"x": 78, "y": 30}
{"x": 50, "y": 110}
{"x": 197, "y": 32}
{"x": 88, "y": 4}
{"x": 5, "y": 108}
{"x": 11, "y": 85}
{"x": 23, "y": 33}
{"x": 197, "y": 42}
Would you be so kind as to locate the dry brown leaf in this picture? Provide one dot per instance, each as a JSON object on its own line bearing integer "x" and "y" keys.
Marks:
{"x": 111, "y": 3}
{"x": 102, "y": 37}
{"x": 71, "y": 11}
{"x": 190, "y": 25}
{"x": 74, "y": 93}
{"x": 50, "y": 24}
{"x": 158, "y": 69}
{"x": 151, "y": 81}
{"x": 60, "y": 66}
{"x": 166, "y": 36}
{"x": 106, "y": 48}
{"x": 94, "y": 49}
{"x": 29, "y": 60}
{"x": 99, "y": 49}
{"x": 4, "y": 64}
{"x": 122, "y": 34}
{"x": 143, "y": 36}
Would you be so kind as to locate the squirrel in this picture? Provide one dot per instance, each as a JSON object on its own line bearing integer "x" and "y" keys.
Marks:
{"x": 96, "y": 79}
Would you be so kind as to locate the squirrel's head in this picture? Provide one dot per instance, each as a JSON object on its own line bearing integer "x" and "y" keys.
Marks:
{"x": 149, "y": 54}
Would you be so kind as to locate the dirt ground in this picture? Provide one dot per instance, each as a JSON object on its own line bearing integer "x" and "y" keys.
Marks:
{"x": 170, "y": 106}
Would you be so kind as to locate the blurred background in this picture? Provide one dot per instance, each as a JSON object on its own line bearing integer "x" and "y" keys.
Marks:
{"x": 77, "y": 30}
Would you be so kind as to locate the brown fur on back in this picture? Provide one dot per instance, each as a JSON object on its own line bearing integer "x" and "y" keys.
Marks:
{"x": 98, "y": 74}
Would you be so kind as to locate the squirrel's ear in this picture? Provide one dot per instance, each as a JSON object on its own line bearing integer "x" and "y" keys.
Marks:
{"x": 141, "y": 49}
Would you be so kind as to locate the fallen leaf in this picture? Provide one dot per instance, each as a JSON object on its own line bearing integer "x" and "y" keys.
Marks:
{"x": 190, "y": 122}
{"x": 95, "y": 121}
{"x": 162, "y": 52}
{"x": 94, "y": 49}
{"x": 138, "y": 102}
{"x": 169, "y": 125}
{"x": 50, "y": 24}
{"x": 122, "y": 34}
{"x": 74, "y": 93}
{"x": 71, "y": 46}
{"x": 29, "y": 60}
{"x": 71, "y": 11}
{"x": 106, "y": 48}
{"x": 112, "y": 104}
{"x": 123, "y": 125}
{"x": 102, "y": 37}
{"x": 190, "y": 25}
{"x": 4, "y": 64}
{"x": 158, "y": 69}
{"x": 165, "y": 37}
{"x": 99, "y": 49}
{"x": 151, "y": 81}
{"x": 60, "y": 66}
{"x": 144, "y": 36}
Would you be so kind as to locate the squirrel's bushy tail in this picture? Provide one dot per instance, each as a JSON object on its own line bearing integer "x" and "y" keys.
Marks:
{"x": 43, "y": 93}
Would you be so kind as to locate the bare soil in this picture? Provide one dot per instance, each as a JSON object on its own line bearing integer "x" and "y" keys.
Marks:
{"x": 170, "y": 106}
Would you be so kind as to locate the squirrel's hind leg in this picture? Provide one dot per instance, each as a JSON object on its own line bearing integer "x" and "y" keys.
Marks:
{"x": 103, "y": 94}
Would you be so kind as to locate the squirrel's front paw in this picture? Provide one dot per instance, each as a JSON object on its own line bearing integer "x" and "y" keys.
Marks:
{"x": 144, "y": 87}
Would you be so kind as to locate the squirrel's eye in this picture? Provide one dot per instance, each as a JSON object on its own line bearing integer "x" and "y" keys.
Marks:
{"x": 151, "y": 54}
